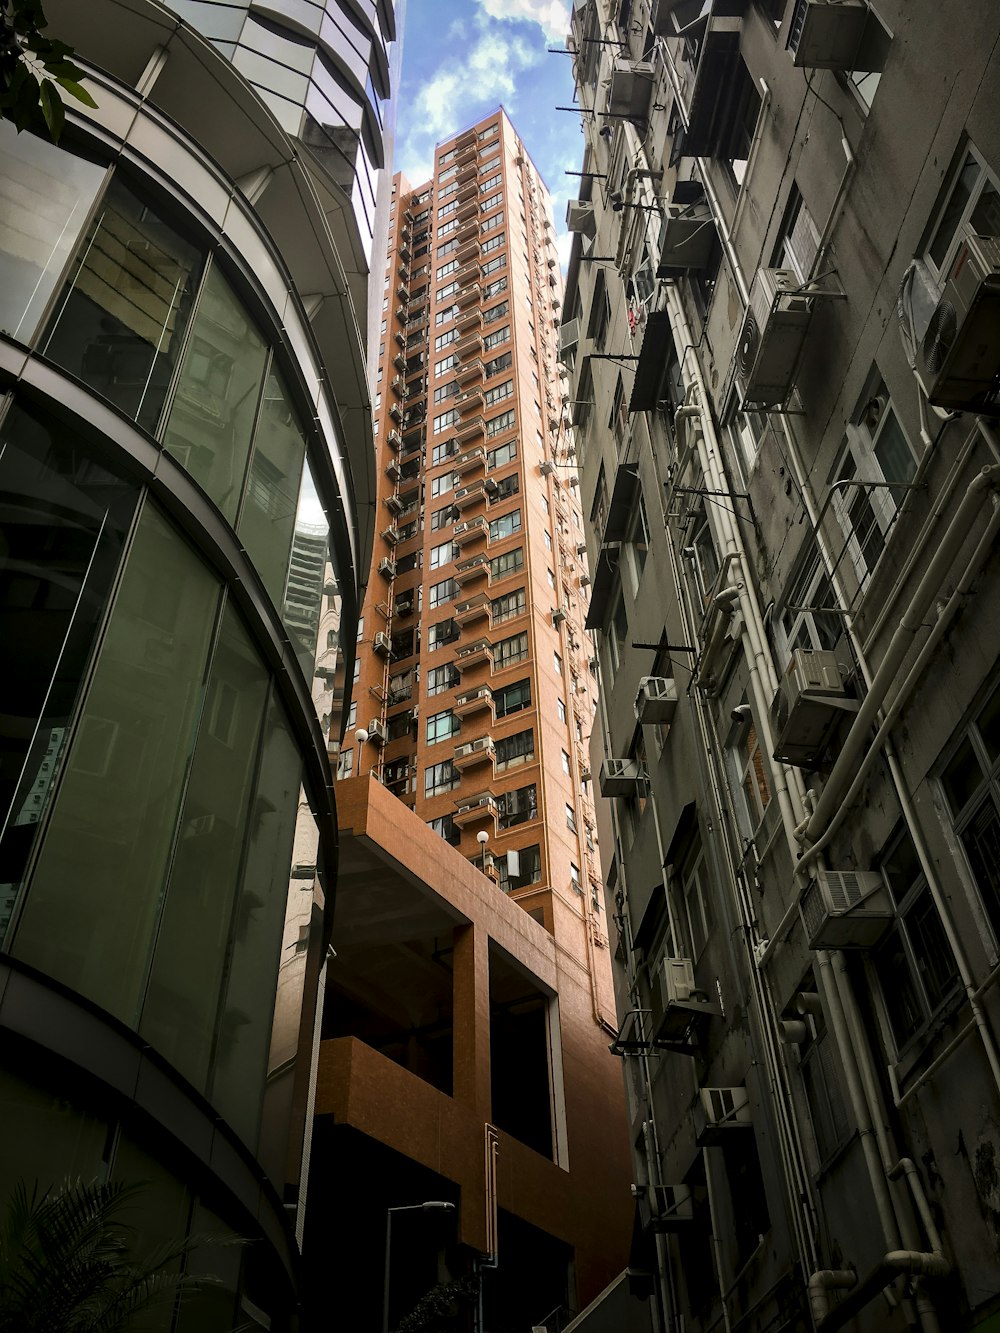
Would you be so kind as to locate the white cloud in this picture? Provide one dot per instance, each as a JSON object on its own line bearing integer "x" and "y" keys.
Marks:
{"x": 552, "y": 16}
{"x": 564, "y": 244}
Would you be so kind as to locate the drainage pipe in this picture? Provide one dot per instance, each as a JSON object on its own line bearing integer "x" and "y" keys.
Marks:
{"x": 823, "y": 1282}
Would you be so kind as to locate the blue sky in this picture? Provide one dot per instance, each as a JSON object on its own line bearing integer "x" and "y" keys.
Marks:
{"x": 503, "y": 60}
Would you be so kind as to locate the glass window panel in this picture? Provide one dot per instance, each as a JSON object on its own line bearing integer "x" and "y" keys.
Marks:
{"x": 898, "y": 990}
{"x": 64, "y": 518}
{"x": 306, "y": 573}
{"x": 45, "y": 1139}
{"x": 213, "y": 410}
{"x": 121, "y": 319}
{"x": 182, "y": 995}
{"x": 91, "y": 904}
{"x": 893, "y": 454}
{"x": 955, "y": 207}
{"x": 267, "y": 520}
{"x": 988, "y": 725}
{"x": 935, "y": 959}
{"x": 46, "y": 197}
{"x": 985, "y": 217}
{"x": 962, "y": 776}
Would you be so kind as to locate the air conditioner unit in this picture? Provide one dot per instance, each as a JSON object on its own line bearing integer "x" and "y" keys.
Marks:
{"x": 845, "y": 909}
{"x": 619, "y": 777}
{"x": 569, "y": 336}
{"x": 687, "y": 236}
{"x": 390, "y": 535}
{"x": 558, "y": 615}
{"x": 584, "y": 580}
{"x": 959, "y": 357}
{"x": 387, "y": 568}
{"x": 664, "y": 1207}
{"x": 807, "y": 707}
{"x": 546, "y": 468}
{"x": 771, "y": 339}
{"x": 580, "y": 217}
{"x": 382, "y": 643}
{"x": 719, "y": 1112}
{"x": 376, "y": 731}
{"x": 826, "y": 34}
{"x": 403, "y": 606}
{"x": 394, "y": 439}
{"x": 656, "y": 700}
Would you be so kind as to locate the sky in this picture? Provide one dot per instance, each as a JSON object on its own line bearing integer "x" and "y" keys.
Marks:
{"x": 503, "y": 60}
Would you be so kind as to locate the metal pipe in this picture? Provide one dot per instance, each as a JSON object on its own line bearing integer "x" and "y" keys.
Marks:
{"x": 822, "y": 1282}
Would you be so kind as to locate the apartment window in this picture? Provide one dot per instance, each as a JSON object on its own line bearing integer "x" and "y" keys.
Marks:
{"x": 445, "y": 269}
{"x": 616, "y": 634}
{"x": 518, "y": 807}
{"x": 440, "y": 777}
{"x": 442, "y": 555}
{"x": 445, "y": 364}
{"x": 443, "y": 316}
{"x": 402, "y": 644}
{"x": 441, "y": 678}
{"x": 508, "y": 652}
{"x": 516, "y": 749}
{"x": 512, "y": 698}
{"x": 751, "y": 779}
{"x": 600, "y": 310}
{"x": 491, "y": 184}
{"x": 445, "y": 828}
{"x": 550, "y": 578}
{"x": 445, "y": 391}
{"x": 520, "y": 868}
{"x": 574, "y": 876}
{"x": 447, "y": 228}
{"x": 494, "y": 289}
{"x": 443, "y": 339}
{"x": 565, "y": 761}
{"x": 441, "y": 518}
{"x": 445, "y": 420}
{"x": 442, "y": 726}
{"x": 561, "y": 709}
{"x": 599, "y": 508}
{"x": 703, "y": 554}
{"x": 809, "y": 617}
{"x": 357, "y": 670}
{"x": 447, "y": 248}
{"x": 442, "y": 452}
{"x": 508, "y": 563}
{"x": 445, "y": 209}
{"x": 493, "y": 265}
{"x": 821, "y": 1082}
{"x": 547, "y": 539}
{"x": 971, "y": 782}
{"x": 345, "y": 763}
{"x": 637, "y": 544}
{"x": 971, "y": 196}
{"x": 507, "y": 487}
{"x": 508, "y": 606}
{"x": 501, "y": 455}
{"x": 494, "y": 201}
{"x": 914, "y": 963}
{"x": 449, "y": 289}
{"x": 697, "y": 898}
{"x": 443, "y": 484}
{"x": 798, "y": 239}
{"x": 501, "y": 423}
{"x": 505, "y": 525}
{"x": 737, "y": 134}
{"x": 746, "y": 431}
{"x": 876, "y": 456}
{"x": 498, "y": 393}
{"x": 444, "y": 632}
{"x": 439, "y": 593}
{"x": 618, "y": 418}
{"x": 495, "y": 339}
{"x": 557, "y": 664}
{"x": 571, "y": 818}
{"x": 352, "y": 716}
{"x": 494, "y": 242}
{"x": 498, "y": 363}
{"x": 496, "y": 312}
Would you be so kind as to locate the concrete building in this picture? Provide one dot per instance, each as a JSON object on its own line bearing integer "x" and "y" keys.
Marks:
{"x": 473, "y": 706}
{"x": 187, "y": 488}
{"x": 782, "y": 321}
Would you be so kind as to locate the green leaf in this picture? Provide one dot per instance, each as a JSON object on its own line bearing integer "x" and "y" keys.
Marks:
{"x": 52, "y": 109}
{"x": 76, "y": 91}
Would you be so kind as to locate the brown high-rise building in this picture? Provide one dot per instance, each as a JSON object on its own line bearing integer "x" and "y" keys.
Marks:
{"x": 474, "y": 668}
{"x": 464, "y": 1061}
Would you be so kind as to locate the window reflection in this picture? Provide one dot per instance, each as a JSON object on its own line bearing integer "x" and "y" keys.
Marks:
{"x": 306, "y": 574}
{"x": 46, "y": 198}
{"x": 267, "y": 519}
{"x": 122, "y": 317}
{"x": 212, "y": 415}
{"x": 64, "y": 519}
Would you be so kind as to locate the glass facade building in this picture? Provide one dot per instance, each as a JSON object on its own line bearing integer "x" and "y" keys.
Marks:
{"x": 184, "y": 478}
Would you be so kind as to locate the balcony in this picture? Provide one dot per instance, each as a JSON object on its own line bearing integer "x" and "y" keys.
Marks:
{"x": 468, "y": 207}
{"x": 394, "y": 440}
{"x": 476, "y": 809}
{"x": 469, "y": 320}
{"x": 467, "y": 571}
{"x": 471, "y": 344}
{"x": 473, "y": 529}
{"x": 479, "y": 751}
{"x": 468, "y": 250}
{"x": 473, "y": 608}
{"x": 469, "y": 460}
{"x": 469, "y": 371}
{"x": 396, "y": 412}
{"x": 470, "y": 400}
{"x": 476, "y": 492}
{"x": 398, "y": 385}
{"x": 393, "y": 471}
{"x": 473, "y": 701}
{"x": 478, "y": 653}
{"x": 469, "y": 294}
{"x": 468, "y": 189}
{"x": 394, "y": 504}
{"x": 470, "y": 430}
{"x": 469, "y": 273}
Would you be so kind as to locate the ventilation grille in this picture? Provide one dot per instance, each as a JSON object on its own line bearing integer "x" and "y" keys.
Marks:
{"x": 940, "y": 336}
{"x": 749, "y": 345}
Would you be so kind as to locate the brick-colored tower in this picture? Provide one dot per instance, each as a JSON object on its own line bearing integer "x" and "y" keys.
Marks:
{"x": 475, "y": 683}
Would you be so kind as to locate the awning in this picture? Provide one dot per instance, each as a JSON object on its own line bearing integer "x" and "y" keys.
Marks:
{"x": 622, "y": 506}
{"x": 656, "y": 344}
{"x": 603, "y": 581}
{"x": 715, "y": 81}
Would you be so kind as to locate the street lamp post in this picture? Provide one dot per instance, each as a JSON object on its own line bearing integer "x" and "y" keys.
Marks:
{"x": 430, "y": 1206}
{"x": 361, "y": 735}
{"x": 482, "y": 837}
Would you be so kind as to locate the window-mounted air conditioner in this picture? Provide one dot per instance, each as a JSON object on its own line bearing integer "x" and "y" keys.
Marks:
{"x": 403, "y": 606}
{"x": 675, "y": 1000}
{"x": 959, "y": 357}
{"x": 687, "y": 236}
{"x": 656, "y": 700}
{"x": 845, "y": 909}
{"x": 390, "y": 535}
{"x": 394, "y": 440}
{"x": 546, "y": 468}
{"x": 826, "y": 34}
{"x": 771, "y": 339}
{"x": 719, "y": 1112}
{"x": 810, "y": 701}
{"x": 483, "y": 745}
{"x": 382, "y": 643}
{"x": 569, "y": 336}
{"x": 387, "y": 568}
{"x": 619, "y": 777}
{"x": 558, "y": 615}
{"x": 664, "y": 1207}
{"x": 376, "y": 731}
